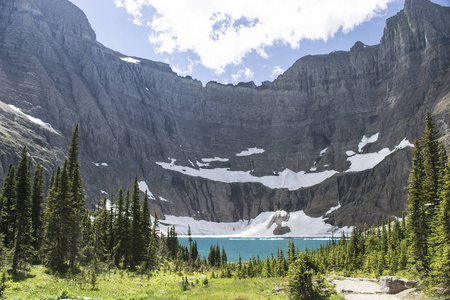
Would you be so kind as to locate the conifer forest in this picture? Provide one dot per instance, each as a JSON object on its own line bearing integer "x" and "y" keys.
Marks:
{"x": 51, "y": 229}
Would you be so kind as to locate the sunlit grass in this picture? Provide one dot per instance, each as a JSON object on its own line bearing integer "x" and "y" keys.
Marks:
{"x": 118, "y": 284}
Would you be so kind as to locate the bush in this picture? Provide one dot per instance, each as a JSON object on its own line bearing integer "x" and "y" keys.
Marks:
{"x": 301, "y": 285}
{"x": 205, "y": 281}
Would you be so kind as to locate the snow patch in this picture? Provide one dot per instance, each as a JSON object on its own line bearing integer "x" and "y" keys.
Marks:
{"x": 403, "y": 144}
{"x": 130, "y": 60}
{"x": 103, "y": 164}
{"x": 144, "y": 187}
{"x": 322, "y": 152}
{"x": 208, "y": 160}
{"x": 350, "y": 153}
{"x": 333, "y": 208}
{"x": 361, "y": 162}
{"x": 251, "y": 151}
{"x": 299, "y": 223}
{"x": 201, "y": 165}
{"x": 31, "y": 118}
{"x": 163, "y": 199}
{"x": 367, "y": 140}
{"x": 285, "y": 179}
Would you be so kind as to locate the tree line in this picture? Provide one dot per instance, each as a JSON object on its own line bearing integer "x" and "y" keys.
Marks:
{"x": 418, "y": 244}
{"x": 53, "y": 227}
{"x": 57, "y": 231}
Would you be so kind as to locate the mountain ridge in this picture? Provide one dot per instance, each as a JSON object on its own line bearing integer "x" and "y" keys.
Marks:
{"x": 135, "y": 115}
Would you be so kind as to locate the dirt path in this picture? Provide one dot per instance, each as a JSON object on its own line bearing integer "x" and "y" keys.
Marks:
{"x": 369, "y": 289}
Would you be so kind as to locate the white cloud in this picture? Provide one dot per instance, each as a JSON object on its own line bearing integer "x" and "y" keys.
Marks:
{"x": 246, "y": 72}
{"x": 224, "y": 32}
{"x": 277, "y": 70}
{"x": 187, "y": 71}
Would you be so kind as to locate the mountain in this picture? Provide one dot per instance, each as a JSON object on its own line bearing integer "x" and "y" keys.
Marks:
{"x": 333, "y": 131}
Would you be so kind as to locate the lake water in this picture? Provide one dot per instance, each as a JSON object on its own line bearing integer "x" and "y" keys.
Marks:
{"x": 249, "y": 246}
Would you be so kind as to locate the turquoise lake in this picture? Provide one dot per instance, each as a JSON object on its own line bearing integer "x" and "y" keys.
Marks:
{"x": 250, "y": 246}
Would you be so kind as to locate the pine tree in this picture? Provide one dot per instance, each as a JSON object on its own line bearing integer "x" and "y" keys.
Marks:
{"x": 111, "y": 229}
{"x": 101, "y": 226}
{"x": 136, "y": 227}
{"x": 127, "y": 234}
{"x": 77, "y": 197}
{"x": 155, "y": 227}
{"x": 440, "y": 241}
{"x": 431, "y": 168}
{"x": 57, "y": 217}
{"x": 224, "y": 256}
{"x": 146, "y": 222}
{"x": 8, "y": 210}
{"x": 120, "y": 230}
{"x": 300, "y": 280}
{"x": 23, "y": 249}
{"x": 417, "y": 225}
{"x": 37, "y": 203}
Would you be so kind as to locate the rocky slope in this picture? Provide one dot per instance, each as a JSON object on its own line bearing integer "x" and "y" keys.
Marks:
{"x": 336, "y": 117}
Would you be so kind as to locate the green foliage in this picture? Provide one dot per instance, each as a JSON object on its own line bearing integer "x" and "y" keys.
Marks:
{"x": 2, "y": 284}
{"x": 301, "y": 284}
{"x": 37, "y": 202}
{"x": 23, "y": 249}
{"x": 8, "y": 207}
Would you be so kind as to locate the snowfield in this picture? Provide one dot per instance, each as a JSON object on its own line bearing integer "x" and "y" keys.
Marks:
{"x": 130, "y": 60}
{"x": 144, "y": 187}
{"x": 367, "y": 140}
{"x": 31, "y": 118}
{"x": 251, "y": 151}
{"x": 367, "y": 161}
{"x": 286, "y": 179}
{"x": 299, "y": 223}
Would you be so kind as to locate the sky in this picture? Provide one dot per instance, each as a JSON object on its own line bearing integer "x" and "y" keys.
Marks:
{"x": 231, "y": 41}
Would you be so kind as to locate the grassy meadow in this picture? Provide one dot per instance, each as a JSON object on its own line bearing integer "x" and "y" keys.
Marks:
{"x": 120, "y": 284}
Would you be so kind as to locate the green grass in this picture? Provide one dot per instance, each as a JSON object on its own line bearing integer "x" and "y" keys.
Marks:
{"x": 38, "y": 284}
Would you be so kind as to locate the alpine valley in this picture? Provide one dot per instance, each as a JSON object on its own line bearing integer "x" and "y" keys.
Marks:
{"x": 330, "y": 140}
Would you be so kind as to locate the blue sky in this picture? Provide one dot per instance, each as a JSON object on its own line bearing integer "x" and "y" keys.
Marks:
{"x": 236, "y": 40}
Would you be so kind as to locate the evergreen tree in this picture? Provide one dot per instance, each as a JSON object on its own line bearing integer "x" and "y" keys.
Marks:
{"x": 137, "y": 244}
{"x": 300, "y": 280}
{"x": 23, "y": 249}
{"x": 101, "y": 227}
{"x": 111, "y": 229}
{"x": 440, "y": 242}
{"x": 146, "y": 222}
{"x": 57, "y": 216}
{"x": 417, "y": 226}
{"x": 431, "y": 168}
{"x": 127, "y": 234}
{"x": 8, "y": 209}
{"x": 37, "y": 203}
{"x": 76, "y": 200}
{"x": 120, "y": 230}
{"x": 224, "y": 256}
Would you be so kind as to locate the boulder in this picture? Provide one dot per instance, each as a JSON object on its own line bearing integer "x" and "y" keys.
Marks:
{"x": 394, "y": 284}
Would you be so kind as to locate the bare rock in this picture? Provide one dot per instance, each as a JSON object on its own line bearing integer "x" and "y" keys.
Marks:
{"x": 394, "y": 284}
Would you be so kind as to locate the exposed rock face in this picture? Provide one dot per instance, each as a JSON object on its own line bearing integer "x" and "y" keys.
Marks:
{"x": 133, "y": 115}
{"x": 394, "y": 284}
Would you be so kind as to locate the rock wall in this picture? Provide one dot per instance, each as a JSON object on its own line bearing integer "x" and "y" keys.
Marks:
{"x": 133, "y": 115}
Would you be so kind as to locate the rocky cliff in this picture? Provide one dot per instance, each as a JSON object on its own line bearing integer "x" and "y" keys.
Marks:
{"x": 333, "y": 129}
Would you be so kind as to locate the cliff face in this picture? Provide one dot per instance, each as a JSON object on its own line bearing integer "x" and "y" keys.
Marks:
{"x": 138, "y": 117}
